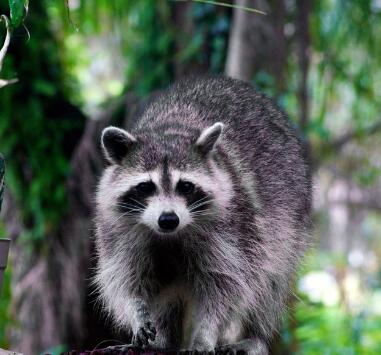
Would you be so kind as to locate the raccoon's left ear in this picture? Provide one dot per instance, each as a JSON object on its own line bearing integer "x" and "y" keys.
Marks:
{"x": 116, "y": 143}
{"x": 209, "y": 137}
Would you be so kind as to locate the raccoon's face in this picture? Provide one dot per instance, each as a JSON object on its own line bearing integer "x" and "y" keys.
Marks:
{"x": 164, "y": 197}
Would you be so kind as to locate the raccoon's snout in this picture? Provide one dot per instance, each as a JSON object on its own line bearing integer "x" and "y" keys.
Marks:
{"x": 168, "y": 221}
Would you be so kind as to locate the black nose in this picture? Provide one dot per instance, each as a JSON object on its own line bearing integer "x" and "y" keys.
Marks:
{"x": 168, "y": 221}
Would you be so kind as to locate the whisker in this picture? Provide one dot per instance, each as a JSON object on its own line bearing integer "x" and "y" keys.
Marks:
{"x": 198, "y": 215}
{"x": 131, "y": 211}
{"x": 134, "y": 210}
{"x": 202, "y": 212}
{"x": 125, "y": 214}
{"x": 127, "y": 205}
{"x": 138, "y": 202}
{"x": 198, "y": 201}
{"x": 200, "y": 204}
{"x": 113, "y": 223}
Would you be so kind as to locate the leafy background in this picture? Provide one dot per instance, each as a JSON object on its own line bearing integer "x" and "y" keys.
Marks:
{"x": 82, "y": 65}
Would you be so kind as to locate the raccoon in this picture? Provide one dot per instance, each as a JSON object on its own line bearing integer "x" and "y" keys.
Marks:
{"x": 202, "y": 216}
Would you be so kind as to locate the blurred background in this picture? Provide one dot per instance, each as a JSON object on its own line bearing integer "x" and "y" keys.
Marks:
{"x": 82, "y": 65}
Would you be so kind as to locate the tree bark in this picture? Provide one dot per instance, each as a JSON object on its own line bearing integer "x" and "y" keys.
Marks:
{"x": 245, "y": 42}
{"x": 51, "y": 290}
{"x": 257, "y": 42}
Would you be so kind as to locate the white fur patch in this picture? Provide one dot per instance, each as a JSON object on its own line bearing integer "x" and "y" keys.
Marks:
{"x": 233, "y": 331}
{"x": 110, "y": 189}
{"x": 217, "y": 127}
{"x": 218, "y": 185}
{"x": 159, "y": 204}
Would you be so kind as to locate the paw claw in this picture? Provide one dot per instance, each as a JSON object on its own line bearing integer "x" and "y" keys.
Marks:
{"x": 144, "y": 335}
{"x": 151, "y": 330}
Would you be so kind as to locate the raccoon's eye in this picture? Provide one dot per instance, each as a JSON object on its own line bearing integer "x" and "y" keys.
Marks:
{"x": 185, "y": 187}
{"x": 146, "y": 188}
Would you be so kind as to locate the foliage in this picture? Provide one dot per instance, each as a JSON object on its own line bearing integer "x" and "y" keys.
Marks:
{"x": 146, "y": 43}
{"x": 149, "y": 47}
{"x": 328, "y": 326}
{"x": 209, "y": 43}
{"x": 146, "y": 40}
{"x": 18, "y": 8}
{"x": 17, "y": 14}
{"x": 35, "y": 135}
{"x": 346, "y": 66}
{"x": 219, "y": 3}
{"x": 326, "y": 329}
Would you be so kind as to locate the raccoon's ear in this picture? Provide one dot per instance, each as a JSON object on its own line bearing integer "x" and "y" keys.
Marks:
{"x": 116, "y": 143}
{"x": 208, "y": 137}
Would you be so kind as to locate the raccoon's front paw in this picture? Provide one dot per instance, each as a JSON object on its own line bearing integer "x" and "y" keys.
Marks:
{"x": 144, "y": 334}
{"x": 203, "y": 346}
{"x": 195, "y": 352}
{"x": 244, "y": 347}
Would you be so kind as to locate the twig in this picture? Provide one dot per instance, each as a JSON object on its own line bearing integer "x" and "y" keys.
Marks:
{"x": 7, "y": 82}
{"x": 4, "y": 49}
{"x": 69, "y": 16}
{"x": 7, "y": 40}
{"x": 338, "y": 143}
{"x": 229, "y": 5}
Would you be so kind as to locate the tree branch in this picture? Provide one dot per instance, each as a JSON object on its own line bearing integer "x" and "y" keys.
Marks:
{"x": 340, "y": 142}
{"x": 4, "y": 50}
{"x": 7, "y": 40}
{"x": 248, "y": 36}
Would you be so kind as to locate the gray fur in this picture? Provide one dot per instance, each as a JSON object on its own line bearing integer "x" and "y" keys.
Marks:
{"x": 226, "y": 275}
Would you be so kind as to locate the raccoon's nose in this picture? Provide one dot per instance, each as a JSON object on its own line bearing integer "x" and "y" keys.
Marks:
{"x": 168, "y": 221}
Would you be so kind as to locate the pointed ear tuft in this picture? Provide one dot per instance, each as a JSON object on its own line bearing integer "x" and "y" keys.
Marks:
{"x": 116, "y": 143}
{"x": 209, "y": 137}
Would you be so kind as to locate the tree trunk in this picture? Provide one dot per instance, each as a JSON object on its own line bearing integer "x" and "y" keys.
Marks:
{"x": 47, "y": 286}
{"x": 244, "y": 41}
{"x": 257, "y": 42}
{"x": 51, "y": 290}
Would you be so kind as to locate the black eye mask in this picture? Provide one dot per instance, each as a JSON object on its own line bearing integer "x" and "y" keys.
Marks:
{"x": 134, "y": 201}
{"x": 197, "y": 199}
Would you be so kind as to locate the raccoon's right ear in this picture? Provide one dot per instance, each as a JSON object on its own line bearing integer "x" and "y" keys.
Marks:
{"x": 209, "y": 137}
{"x": 116, "y": 143}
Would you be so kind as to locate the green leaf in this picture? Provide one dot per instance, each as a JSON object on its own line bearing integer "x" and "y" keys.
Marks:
{"x": 17, "y": 11}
